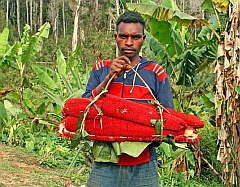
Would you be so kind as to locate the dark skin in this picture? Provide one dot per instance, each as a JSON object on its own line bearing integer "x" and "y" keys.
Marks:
{"x": 129, "y": 39}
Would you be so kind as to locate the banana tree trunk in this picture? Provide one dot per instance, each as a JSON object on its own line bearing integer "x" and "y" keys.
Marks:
{"x": 7, "y": 12}
{"x": 75, "y": 30}
{"x": 27, "y": 12}
{"x": 40, "y": 13}
{"x": 118, "y": 14}
{"x": 227, "y": 101}
{"x": 18, "y": 18}
{"x": 31, "y": 14}
{"x": 63, "y": 17}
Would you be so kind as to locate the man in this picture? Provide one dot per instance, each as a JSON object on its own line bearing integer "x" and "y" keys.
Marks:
{"x": 129, "y": 171}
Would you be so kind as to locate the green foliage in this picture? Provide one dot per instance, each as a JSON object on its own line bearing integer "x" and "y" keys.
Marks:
{"x": 3, "y": 42}
{"x": 179, "y": 180}
{"x": 35, "y": 136}
{"x": 64, "y": 82}
{"x": 11, "y": 128}
{"x": 209, "y": 106}
{"x": 3, "y": 112}
{"x": 32, "y": 45}
{"x": 168, "y": 155}
{"x": 98, "y": 46}
{"x": 23, "y": 52}
{"x": 238, "y": 89}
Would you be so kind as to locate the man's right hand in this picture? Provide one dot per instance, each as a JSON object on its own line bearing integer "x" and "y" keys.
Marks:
{"x": 119, "y": 65}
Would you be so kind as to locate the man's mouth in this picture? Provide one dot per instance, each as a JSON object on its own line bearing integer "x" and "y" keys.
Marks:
{"x": 128, "y": 51}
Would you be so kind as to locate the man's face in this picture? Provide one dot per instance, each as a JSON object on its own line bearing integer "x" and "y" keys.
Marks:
{"x": 129, "y": 39}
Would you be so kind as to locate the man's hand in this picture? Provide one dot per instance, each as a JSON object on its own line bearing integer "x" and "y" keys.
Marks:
{"x": 119, "y": 65}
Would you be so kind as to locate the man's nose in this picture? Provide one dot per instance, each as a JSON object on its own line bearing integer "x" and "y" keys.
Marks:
{"x": 129, "y": 41}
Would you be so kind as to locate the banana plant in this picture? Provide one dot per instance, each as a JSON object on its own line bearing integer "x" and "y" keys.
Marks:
{"x": 170, "y": 44}
{"x": 63, "y": 82}
{"x": 3, "y": 43}
{"x": 58, "y": 84}
{"x": 22, "y": 53}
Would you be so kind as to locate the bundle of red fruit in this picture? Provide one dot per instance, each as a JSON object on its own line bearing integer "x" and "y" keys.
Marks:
{"x": 112, "y": 118}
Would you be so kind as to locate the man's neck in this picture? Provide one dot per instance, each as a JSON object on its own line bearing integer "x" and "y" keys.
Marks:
{"x": 135, "y": 61}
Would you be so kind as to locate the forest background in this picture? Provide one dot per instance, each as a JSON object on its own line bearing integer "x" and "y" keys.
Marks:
{"x": 47, "y": 50}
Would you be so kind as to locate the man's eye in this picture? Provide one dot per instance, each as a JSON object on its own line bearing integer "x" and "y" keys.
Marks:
{"x": 123, "y": 36}
{"x": 136, "y": 37}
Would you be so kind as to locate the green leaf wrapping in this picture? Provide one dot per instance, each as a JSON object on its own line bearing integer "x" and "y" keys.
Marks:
{"x": 110, "y": 151}
{"x": 133, "y": 149}
{"x": 104, "y": 152}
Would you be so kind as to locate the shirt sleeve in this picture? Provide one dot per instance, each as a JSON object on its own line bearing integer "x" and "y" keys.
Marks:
{"x": 164, "y": 94}
{"x": 92, "y": 83}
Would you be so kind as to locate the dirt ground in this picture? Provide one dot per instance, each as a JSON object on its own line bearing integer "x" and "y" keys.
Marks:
{"x": 21, "y": 169}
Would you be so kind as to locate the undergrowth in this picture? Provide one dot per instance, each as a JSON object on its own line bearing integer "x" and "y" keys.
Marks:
{"x": 56, "y": 152}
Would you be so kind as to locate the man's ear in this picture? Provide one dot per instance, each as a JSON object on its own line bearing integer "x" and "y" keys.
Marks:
{"x": 115, "y": 35}
{"x": 144, "y": 37}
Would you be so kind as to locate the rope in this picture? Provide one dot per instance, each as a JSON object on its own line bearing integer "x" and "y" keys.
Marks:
{"x": 86, "y": 111}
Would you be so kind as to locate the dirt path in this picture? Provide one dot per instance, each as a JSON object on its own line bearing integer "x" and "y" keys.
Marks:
{"x": 21, "y": 169}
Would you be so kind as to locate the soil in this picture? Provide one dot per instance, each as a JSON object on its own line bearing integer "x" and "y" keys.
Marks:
{"x": 21, "y": 169}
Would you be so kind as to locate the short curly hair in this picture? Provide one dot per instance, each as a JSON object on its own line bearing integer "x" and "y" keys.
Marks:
{"x": 130, "y": 17}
